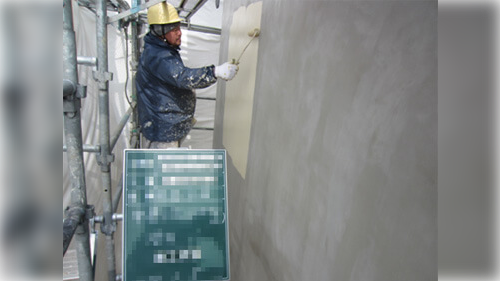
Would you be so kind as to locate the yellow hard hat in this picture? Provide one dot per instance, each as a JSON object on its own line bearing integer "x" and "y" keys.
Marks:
{"x": 162, "y": 13}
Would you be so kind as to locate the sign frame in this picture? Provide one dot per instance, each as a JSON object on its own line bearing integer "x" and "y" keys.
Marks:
{"x": 179, "y": 151}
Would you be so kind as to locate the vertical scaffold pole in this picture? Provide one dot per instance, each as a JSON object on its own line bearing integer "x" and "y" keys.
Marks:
{"x": 73, "y": 138}
{"x": 135, "y": 31}
{"x": 108, "y": 227}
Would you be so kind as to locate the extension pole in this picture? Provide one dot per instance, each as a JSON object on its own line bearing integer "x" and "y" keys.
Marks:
{"x": 105, "y": 158}
{"x": 73, "y": 135}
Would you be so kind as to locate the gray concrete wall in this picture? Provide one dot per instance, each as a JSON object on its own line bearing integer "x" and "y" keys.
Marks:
{"x": 341, "y": 180}
{"x": 467, "y": 200}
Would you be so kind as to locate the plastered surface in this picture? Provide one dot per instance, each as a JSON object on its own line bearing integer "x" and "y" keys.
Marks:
{"x": 341, "y": 179}
{"x": 240, "y": 91}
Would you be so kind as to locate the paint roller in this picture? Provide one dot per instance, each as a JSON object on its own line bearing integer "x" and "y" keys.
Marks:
{"x": 253, "y": 33}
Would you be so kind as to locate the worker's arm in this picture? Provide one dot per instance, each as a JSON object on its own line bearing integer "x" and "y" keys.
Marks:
{"x": 173, "y": 71}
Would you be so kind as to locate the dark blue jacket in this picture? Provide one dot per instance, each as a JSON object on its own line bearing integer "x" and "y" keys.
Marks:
{"x": 165, "y": 95}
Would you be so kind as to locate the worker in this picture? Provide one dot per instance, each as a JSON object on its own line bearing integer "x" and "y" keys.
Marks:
{"x": 165, "y": 87}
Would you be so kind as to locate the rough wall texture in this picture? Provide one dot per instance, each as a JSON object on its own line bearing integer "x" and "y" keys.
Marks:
{"x": 341, "y": 180}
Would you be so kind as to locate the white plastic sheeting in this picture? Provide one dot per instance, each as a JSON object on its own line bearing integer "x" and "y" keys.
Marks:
{"x": 197, "y": 50}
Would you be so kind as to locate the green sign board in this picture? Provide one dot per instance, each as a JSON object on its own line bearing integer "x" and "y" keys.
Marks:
{"x": 175, "y": 215}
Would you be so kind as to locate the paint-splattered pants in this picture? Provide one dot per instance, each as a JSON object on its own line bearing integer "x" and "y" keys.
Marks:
{"x": 145, "y": 143}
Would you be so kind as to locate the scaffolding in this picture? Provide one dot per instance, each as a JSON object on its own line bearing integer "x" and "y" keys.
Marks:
{"x": 80, "y": 217}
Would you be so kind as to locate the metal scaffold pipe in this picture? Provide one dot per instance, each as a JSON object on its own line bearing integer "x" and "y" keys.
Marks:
{"x": 73, "y": 136}
{"x": 71, "y": 222}
{"x": 91, "y": 61}
{"x": 69, "y": 87}
{"x": 134, "y": 42}
{"x": 86, "y": 148}
{"x": 105, "y": 158}
{"x": 121, "y": 126}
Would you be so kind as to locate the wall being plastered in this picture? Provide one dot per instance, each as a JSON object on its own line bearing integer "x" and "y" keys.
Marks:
{"x": 238, "y": 103}
{"x": 341, "y": 173}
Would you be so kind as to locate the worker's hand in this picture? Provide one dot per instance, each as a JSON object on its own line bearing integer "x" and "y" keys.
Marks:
{"x": 226, "y": 71}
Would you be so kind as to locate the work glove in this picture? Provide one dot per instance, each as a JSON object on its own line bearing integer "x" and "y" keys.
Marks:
{"x": 226, "y": 71}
